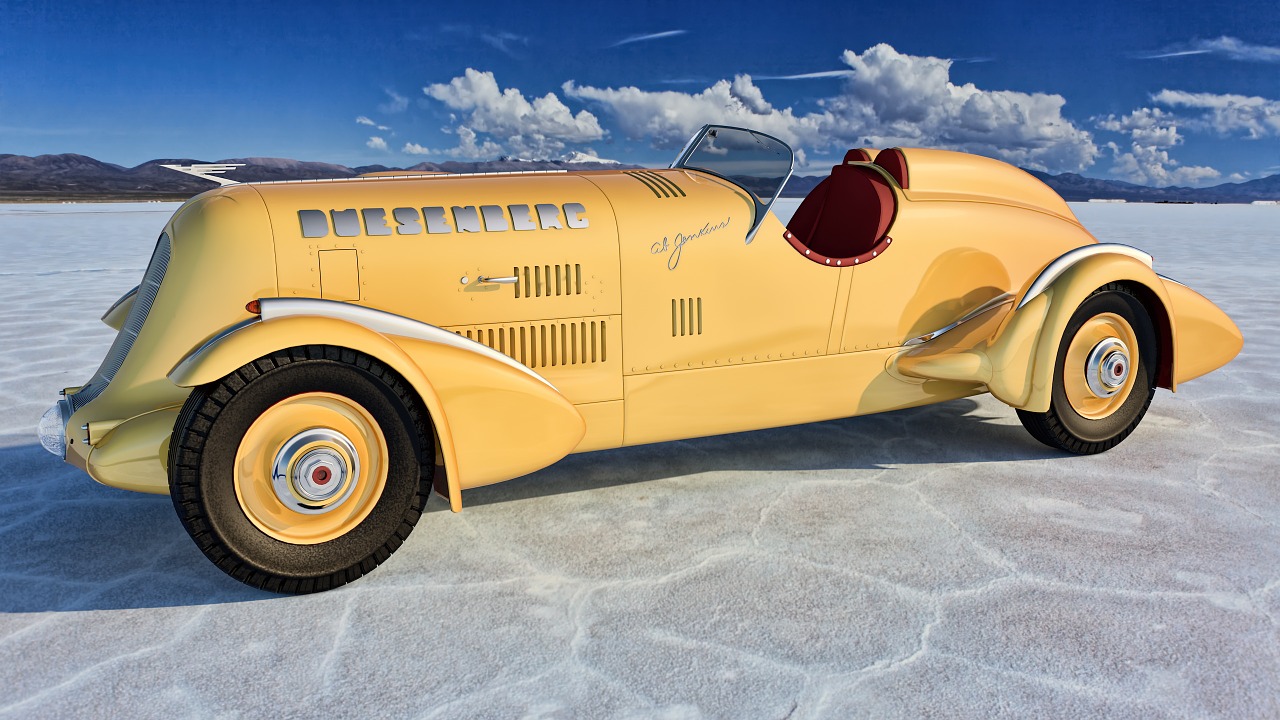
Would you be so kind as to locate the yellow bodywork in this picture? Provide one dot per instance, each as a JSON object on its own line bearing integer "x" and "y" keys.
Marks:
{"x": 536, "y": 315}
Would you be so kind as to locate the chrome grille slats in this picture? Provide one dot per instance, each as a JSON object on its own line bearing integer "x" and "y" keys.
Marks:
{"x": 124, "y": 340}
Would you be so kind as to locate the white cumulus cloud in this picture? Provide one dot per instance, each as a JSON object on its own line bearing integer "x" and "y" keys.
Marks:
{"x": 1148, "y": 126}
{"x": 897, "y": 99}
{"x": 668, "y": 118}
{"x": 1150, "y": 165}
{"x": 364, "y": 120}
{"x": 1154, "y": 130}
{"x": 887, "y": 98}
{"x": 1256, "y": 117}
{"x": 491, "y": 120}
{"x": 377, "y": 143}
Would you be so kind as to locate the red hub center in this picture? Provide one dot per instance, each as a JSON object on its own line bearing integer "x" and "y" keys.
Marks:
{"x": 1118, "y": 370}
{"x": 320, "y": 475}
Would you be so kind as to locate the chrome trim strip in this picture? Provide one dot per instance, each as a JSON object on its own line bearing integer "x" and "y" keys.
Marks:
{"x": 208, "y": 171}
{"x": 196, "y": 355}
{"x": 446, "y": 176}
{"x": 387, "y": 324}
{"x": 765, "y": 210}
{"x": 1169, "y": 279}
{"x": 1055, "y": 269}
{"x": 981, "y": 309}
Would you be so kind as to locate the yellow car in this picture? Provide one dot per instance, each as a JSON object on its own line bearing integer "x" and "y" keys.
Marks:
{"x": 304, "y": 362}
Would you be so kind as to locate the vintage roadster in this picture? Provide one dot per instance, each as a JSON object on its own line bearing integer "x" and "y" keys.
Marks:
{"x": 304, "y": 362}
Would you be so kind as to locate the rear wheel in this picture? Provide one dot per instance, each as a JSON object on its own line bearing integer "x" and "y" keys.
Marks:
{"x": 303, "y": 470}
{"x": 1104, "y": 377}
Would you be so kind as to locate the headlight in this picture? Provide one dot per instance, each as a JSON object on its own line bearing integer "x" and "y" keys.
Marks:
{"x": 53, "y": 431}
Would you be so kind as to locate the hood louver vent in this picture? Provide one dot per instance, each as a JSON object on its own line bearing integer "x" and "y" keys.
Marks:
{"x": 542, "y": 345}
{"x": 548, "y": 280}
{"x": 660, "y": 185}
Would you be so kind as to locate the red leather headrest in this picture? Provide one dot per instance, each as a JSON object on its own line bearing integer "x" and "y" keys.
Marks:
{"x": 857, "y": 155}
{"x": 895, "y": 163}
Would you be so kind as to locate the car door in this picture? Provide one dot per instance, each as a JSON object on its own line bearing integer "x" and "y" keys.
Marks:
{"x": 707, "y": 316}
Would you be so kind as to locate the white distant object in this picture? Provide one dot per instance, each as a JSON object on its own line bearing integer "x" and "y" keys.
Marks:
{"x": 1265, "y": 202}
{"x": 581, "y": 157}
{"x": 208, "y": 171}
{"x": 1107, "y": 200}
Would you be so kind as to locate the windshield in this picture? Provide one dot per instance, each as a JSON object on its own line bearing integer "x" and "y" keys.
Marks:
{"x": 755, "y": 162}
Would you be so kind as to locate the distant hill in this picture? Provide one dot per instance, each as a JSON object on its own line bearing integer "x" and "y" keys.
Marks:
{"x": 78, "y": 177}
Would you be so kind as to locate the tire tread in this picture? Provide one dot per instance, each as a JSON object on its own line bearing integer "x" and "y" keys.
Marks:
{"x": 201, "y": 410}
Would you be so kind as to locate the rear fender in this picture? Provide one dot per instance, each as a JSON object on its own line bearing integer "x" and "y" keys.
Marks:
{"x": 494, "y": 419}
{"x": 1207, "y": 339}
{"x": 1024, "y": 352}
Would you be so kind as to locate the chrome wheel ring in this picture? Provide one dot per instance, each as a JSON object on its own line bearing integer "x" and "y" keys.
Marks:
{"x": 315, "y": 471}
{"x": 1107, "y": 367}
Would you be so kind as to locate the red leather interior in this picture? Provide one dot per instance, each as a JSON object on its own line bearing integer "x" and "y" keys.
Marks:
{"x": 857, "y": 155}
{"x": 845, "y": 217}
{"x": 895, "y": 163}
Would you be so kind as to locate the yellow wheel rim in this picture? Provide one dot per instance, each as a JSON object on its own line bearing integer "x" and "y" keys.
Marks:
{"x": 1100, "y": 367}
{"x": 311, "y": 468}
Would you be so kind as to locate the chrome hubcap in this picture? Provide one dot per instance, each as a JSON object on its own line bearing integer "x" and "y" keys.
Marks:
{"x": 1107, "y": 367}
{"x": 314, "y": 472}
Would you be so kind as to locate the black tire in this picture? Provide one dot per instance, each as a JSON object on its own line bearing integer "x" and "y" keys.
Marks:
{"x": 1062, "y": 427}
{"x": 209, "y": 431}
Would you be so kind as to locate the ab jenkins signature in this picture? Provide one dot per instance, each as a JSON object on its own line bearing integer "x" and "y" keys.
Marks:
{"x": 675, "y": 246}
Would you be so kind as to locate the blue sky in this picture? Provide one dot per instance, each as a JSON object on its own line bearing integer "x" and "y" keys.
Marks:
{"x": 1151, "y": 92}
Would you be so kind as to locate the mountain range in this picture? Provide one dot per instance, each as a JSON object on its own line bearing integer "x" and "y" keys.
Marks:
{"x": 78, "y": 177}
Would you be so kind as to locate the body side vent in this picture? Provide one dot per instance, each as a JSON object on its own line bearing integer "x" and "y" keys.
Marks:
{"x": 686, "y": 317}
{"x": 548, "y": 280}
{"x": 545, "y": 344}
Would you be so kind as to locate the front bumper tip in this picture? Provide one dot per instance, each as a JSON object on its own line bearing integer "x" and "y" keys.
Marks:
{"x": 52, "y": 429}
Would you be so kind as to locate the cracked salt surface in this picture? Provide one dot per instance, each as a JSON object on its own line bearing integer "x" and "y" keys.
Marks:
{"x": 935, "y": 562}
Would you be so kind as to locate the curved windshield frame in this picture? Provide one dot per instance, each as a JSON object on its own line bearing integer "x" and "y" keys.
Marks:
{"x": 758, "y": 163}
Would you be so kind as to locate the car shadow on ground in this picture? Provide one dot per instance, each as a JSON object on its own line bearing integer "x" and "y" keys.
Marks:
{"x": 959, "y": 431}
{"x": 71, "y": 545}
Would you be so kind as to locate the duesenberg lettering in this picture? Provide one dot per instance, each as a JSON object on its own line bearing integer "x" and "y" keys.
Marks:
{"x": 675, "y": 246}
{"x": 436, "y": 219}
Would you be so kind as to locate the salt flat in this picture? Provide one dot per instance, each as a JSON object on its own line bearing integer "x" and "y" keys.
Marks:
{"x": 935, "y": 562}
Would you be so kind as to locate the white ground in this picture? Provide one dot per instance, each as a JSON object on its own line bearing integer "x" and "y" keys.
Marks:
{"x": 933, "y": 562}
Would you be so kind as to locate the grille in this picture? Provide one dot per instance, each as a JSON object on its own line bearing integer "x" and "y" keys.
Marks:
{"x": 541, "y": 345}
{"x": 660, "y": 185}
{"x": 548, "y": 280}
{"x": 147, "y": 292}
{"x": 686, "y": 317}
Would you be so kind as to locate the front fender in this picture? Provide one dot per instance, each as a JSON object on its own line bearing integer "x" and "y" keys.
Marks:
{"x": 494, "y": 419}
{"x": 1024, "y": 352}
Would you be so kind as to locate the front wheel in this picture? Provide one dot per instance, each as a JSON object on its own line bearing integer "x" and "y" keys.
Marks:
{"x": 303, "y": 470}
{"x": 1104, "y": 377}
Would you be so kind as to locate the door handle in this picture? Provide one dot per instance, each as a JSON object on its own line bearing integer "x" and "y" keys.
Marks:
{"x": 506, "y": 280}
